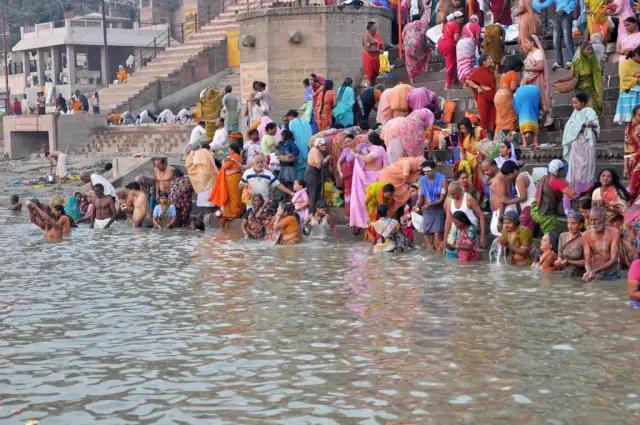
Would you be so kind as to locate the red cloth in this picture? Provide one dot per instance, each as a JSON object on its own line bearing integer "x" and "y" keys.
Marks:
{"x": 447, "y": 48}
{"x": 501, "y": 11}
{"x": 371, "y": 61}
{"x": 557, "y": 184}
{"x": 484, "y": 76}
{"x": 634, "y": 271}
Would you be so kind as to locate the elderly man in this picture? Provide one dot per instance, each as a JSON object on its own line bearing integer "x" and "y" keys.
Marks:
{"x": 262, "y": 181}
{"x": 95, "y": 179}
{"x": 459, "y": 200}
{"x": 600, "y": 248}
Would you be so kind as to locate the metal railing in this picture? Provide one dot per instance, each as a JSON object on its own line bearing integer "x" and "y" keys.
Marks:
{"x": 160, "y": 41}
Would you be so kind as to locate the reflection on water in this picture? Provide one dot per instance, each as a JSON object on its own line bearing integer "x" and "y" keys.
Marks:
{"x": 124, "y": 327}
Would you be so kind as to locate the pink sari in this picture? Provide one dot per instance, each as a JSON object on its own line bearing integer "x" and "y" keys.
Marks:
{"x": 358, "y": 214}
{"x": 298, "y": 199}
{"x": 404, "y": 136}
{"x": 384, "y": 113}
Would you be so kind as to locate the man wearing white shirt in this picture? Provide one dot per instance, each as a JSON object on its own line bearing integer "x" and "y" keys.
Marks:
{"x": 166, "y": 116}
{"x": 184, "y": 116}
{"x": 220, "y": 143}
{"x": 95, "y": 179}
{"x": 198, "y": 134}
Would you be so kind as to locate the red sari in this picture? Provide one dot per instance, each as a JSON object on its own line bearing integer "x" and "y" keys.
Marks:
{"x": 484, "y": 76}
{"x": 371, "y": 60}
{"x": 632, "y": 160}
{"x": 447, "y": 48}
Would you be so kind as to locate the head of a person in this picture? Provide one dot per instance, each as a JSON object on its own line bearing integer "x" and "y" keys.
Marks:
{"x": 512, "y": 63}
{"x": 57, "y": 210}
{"x": 15, "y": 199}
{"x": 382, "y": 211}
{"x": 160, "y": 163}
{"x": 292, "y": 114}
{"x": 636, "y": 114}
{"x": 288, "y": 208}
{"x": 228, "y": 89}
{"x": 177, "y": 173}
{"x": 313, "y": 78}
{"x": 486, "y": 60}
{"x": 458, "y": 16}
{"x": 510, "y": 221}
{"x": 219, "y": 122}
{"x": 348, "y": 140}
{"x": 322, "y": 145}
{"x": 549, "y": 242}
{"x": 388, "y": 190}
{"x": 197, "y": 223}
{"x": 287, "y": 136}
{"x": 465, "y": 127}
{"x": 489, "y": 168}
{"x": 455, "y": 190}
{"x": 235, "y": 146}
{"x": 584, "y": 205}
{"x": 510, "y": 170}
{"x": 135, "y": 186}
{"x": 429, "y": 169}
{"x": 259, "y": 162}
{"x": 321, "y": 208}
{"x": 586, "y": 49}
{"x": 505, "y": 149}
{"x": 306, "y": 82}
{"x": 461, "y": 176}
{"x": 348, "y": 82}
{"x": 85, "y": 177}
{"x": 271, "y": 128}
{"x": 375, "y": 139}
{"x": 364, "y": 125}
{"x": 298, "y": 185}
{"x": 262, "y": 85}
{"x": 575, "y": 222}
{"x": 257, "y": 200}
{"x": 253, "y": 135}
{"x": 328, "y": 85}
{"x": 597, "y": 219}
{"x": 372, "y": 27}
{"x": 528, "y": 44}
{"x": 635, "y": 54}
{"x": 460, "y": 220}
{"x": 414, "y": 190}
{"x": 579, "y": 101}
{"x": 556, "y": 168}
{"x": 98, "y": 189}
{"x": 202, "y": 124}
{"x": 256, "y": 85}
{"x": 631, "y": 24}
{"x": 609, "y": 177}
{"x": 474, "y": 19}
{"x": 163, "y": 198}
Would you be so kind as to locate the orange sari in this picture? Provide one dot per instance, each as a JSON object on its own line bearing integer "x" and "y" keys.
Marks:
{"x": 226, "y": 191}
{"x": 506, "y": 118}
{"x": 323, "y": 109}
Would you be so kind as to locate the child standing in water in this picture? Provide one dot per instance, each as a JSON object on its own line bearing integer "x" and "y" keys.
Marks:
{"x": 300, "y": 200}
{"x": 164, "y": 214}
{"x": 548, "y": 256}
{"x": 15, "y": 204}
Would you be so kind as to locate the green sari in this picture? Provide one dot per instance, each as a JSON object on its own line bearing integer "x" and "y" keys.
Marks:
{"x": 589, "y": 74}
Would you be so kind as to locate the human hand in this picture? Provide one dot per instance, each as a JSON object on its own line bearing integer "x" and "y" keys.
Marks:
{"x": 485, "y": 88}
{"x": 588, "y": 276}
{"x": 483, "y": 241}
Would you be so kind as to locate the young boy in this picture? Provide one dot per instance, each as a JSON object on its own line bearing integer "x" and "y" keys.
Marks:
{"x": 164, "y": 214}
{"x": 15, "y": 204}
{"x": 318, "y": 224}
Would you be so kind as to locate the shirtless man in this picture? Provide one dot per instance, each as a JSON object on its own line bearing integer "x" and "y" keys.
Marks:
{"x": 163, "y": 175}
{"x": 600, "y": 248}
{"x": 499, "y": 190}
{"x": 458, "y": 199}
{"x": 54, "y": 223}
{"x": 140, "y": 203}
{"x": 104, "y": 209}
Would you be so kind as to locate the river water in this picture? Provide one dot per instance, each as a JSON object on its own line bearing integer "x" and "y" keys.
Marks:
{"x": 126, "y": 327}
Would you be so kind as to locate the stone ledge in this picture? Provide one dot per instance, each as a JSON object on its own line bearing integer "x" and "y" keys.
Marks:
{"x": 311, "y": 10}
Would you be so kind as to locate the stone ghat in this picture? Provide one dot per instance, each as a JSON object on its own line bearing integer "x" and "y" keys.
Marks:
{"x": 146, "y": 138}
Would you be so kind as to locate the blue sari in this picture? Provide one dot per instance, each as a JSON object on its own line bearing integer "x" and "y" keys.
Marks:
{"x": 343, "y": 111}
{"x": 302, "y": 133}
{"x": 72, "y": 209}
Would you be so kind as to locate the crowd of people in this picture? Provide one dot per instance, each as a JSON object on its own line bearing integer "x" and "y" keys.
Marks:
{"x": 375, "y": 154}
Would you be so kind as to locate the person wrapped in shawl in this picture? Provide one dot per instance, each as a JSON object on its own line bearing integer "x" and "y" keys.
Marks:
{"x": 404, "y": 136}
{"x": 343, "y": 111}
{"x": 494, "y": 42}
{"x": 586, "y": 68}
{"x": 210, "y": 105}
{"x": 180, "y": 196}
{"x": 417, "y": 53}
{"x": 226, "y": 192}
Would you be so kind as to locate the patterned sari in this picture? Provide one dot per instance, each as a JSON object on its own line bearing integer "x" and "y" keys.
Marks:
{"x": 416, "y": 49}
{"x": 632, "y": 157}
{"x": 180, "y": 195}
{"x": 466, "y": 50}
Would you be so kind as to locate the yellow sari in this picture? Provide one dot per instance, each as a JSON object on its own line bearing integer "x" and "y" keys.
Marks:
{"x": 597, "y": 21}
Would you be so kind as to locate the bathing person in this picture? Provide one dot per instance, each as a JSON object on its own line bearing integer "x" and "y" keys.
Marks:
{"x": 389, "y": 236}
{"x": 52, "y": 220}
{"x": 459, "y": 200}
{"x": 95, "y": 179}
{"x": 319, "y": 223}
{"x": 462, "y": 239}
{"x": 286, "y": 223}
{"x": 500, "y": 190}
{"x": 140, "y": 203}
{"x": 633, "y": 284}
{"x": 163, "y": 175}
{"x": 15, "y": 204}
{"x": 164, "y": 214}
{"x": 549, "y": 253}
{"x": 570, "y": 250}
{"x": 104, "y": 209}
{"x": 517, "y": 240}
{"x": 57, "y": 161}
{"x": 600, "y": 248}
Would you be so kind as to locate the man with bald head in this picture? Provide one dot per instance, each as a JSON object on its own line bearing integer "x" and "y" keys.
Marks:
{"x": 600, "y": 244}
{"x": 459, "y": 200}
{"x": 95, "y": 179}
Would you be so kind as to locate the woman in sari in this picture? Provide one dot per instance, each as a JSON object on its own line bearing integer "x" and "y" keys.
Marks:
{"x": 258, "y": 221}
{"x": 202, "y": 171}
{"x": 323, "y": 109}
{"x": 586, "y": 68}
{"x": 494, "y": 42}
{"x": 181, "y": 197}
{"x": 72, "y": 208}
{"x": 422, "y": 97}
{"x": 372, "y": 45}
{"x": 597, "y": 19}
{"x": 367, "y": 167}
{"x": 401, "y": 174}
{"x": 611, "y": 195}
{"x": 447, "y": 48}
{"x": 463, "y": 240}
{"x": 467, "y": 48}
{"x": 629, "y": 88}
{"x": 417, "y": 53}
{"x": 483, "y": 83}
{"x": 628, "y": 39}
{"x": 226, "y": 192}
{"x": 536, "y": 72}
{"x": 343, "y": 111}
{"x": 632, "y": 154}
{"x": 377, "y": 193}
{"x": 468, "y": 136}
{"x": 570, "y": 249}
{"x": 404, "y": 136}
{"x": 384, "y": 112}
{"x": 398, "y": 102}
{"x": 526, "y": 105}
{"x": 529, "y": 22}
{"x": 579, "y": 146}
{"x": 506, "y": 118}
{"x": 346, "y": 162}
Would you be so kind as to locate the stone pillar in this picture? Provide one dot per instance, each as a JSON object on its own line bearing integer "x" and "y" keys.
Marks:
{"x": 104, "y": 72}
{"x": 55, "y": 64}
{"x": 71, "y": 66}
{"x": 40, "y": 65}
{"x": 25, "y": 67}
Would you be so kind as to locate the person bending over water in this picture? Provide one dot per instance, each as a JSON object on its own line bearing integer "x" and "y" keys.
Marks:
{"x": 104, "y": 210}
{"x": 548, "y": 254}
{"x": 53, "y": 221}
{"x": 517, "y": 240}
{"x": 164, "y": 214}
{"x": 390, "y": 238}
{"x": 600, "y": 248}
{"x": 15, "y": 204}
{"x": 287, "y": 225}
{"x": 140, "y": 203}
{"x": 319, "y": 223}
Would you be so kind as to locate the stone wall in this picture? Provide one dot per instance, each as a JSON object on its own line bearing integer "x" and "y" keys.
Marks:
{"x": 149, "y": 139}
{"x": 330, "y": 45}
